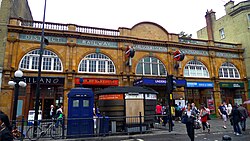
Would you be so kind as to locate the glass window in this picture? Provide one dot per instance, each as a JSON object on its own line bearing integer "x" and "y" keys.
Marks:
{"x": 228, "y": 70}
{"x": 50, "y": 61}
{"x": 195, "y": 68}
{"x": 75, "y": 103}
{"x": 150, "y": 66}
{"x": 85, "y": 103}
{"x": 96, "y": 63}
{"x": 222, "y": 33}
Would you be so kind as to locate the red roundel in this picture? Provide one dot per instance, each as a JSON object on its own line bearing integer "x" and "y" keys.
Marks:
{"x": 177, "y": 55}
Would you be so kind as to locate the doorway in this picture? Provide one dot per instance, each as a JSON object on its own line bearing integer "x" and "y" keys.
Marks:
{"x": 46, "y": 109}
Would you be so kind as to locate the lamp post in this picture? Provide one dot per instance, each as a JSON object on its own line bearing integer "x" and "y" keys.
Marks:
{"x": 43, "y": 42}
{"x": 17, "y": 82}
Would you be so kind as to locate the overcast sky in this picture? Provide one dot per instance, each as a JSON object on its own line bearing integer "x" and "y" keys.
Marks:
{"x": 174, "y": 15}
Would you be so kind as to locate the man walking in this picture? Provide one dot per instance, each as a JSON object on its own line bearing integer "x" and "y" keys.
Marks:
{"x": 243, "y": 115}
{"x": 223, "y": 112}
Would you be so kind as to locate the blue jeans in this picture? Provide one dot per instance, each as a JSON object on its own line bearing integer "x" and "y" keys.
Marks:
{"x": 243, "y": 124}
{"x": 236, "y": 127}
{"x": 59, "y": 121}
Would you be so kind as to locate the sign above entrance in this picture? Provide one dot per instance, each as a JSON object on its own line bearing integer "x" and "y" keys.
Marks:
{"x": 157, "y": 82}
{"x": 231, "y": 85}
{"x": 45, "y": 80}
{"x": 200, "y": 84}
{"x": 97, "y": 81}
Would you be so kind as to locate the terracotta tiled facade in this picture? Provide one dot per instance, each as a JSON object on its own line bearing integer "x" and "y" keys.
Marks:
{"x": 72, "y": 43}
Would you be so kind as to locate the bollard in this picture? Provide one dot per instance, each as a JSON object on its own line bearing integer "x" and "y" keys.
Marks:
{"x": 226, "y": 138}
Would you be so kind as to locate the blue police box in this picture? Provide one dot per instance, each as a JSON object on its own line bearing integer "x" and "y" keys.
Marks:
{"x": 80, "y": 113}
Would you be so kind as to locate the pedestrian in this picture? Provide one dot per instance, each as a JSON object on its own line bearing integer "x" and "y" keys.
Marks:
{"x": 5, "y": 133}
{"x": 204, "y": 114}
{"x": 191, "y": 116}
{"x": 194, "y": 109}
{"x": 243, "y": 116}
{"x": 235, "y": 115}
{"x": 52, "y": 111}
{"x": 59, "y": 116}
{"x": 229, "y": 109}
{"x": 223, "y": 113}
{"x": 158, "y": 112}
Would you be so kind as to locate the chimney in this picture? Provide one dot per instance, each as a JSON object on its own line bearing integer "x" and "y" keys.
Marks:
{"x": 228, "y": 6}
{"x": 210, "y": 19}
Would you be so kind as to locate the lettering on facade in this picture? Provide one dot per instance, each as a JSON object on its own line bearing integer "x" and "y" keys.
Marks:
{"x": 37, "y": 38}
{"x": 194, "y": 52}
{"x": 150, "y": 48}
{"x": 97, "y": 43}
{"x": 45, "y": 80}
{"x": 227, "y": 55}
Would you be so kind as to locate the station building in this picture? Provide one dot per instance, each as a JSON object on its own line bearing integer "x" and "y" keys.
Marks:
{"x": 83, "y": 56}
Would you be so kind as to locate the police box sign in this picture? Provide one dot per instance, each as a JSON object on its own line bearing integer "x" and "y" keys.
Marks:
{"x": 45, "y": 80}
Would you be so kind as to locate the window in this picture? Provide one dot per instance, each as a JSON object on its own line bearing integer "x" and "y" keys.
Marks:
{"x": 248, "y": 17}
{"x": 50, "y": 61}
{"x": 150, "y": 66}
{"x": 222, "y": 33}
{"x": 96, "y": 63}
{"x": 195, "y": 68}
{"x": 228, "y": 70}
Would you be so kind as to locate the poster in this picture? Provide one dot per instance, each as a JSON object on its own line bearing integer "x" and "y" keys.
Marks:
{"x": 210, "y": 104}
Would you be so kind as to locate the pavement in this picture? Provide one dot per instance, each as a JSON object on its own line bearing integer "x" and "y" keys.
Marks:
{"x": 178, "y": 129}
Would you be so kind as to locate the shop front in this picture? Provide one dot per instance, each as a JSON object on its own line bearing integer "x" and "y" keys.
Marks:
{"x": 200, "y": 93}
{"x": 159, "y": 85}
{"x": 51, "y": 93}
{"x": 232, "y": 92}
{"x": 96, "y": 84}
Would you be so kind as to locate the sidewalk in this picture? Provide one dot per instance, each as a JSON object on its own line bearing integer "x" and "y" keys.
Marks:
{"x": 178, "y": 129}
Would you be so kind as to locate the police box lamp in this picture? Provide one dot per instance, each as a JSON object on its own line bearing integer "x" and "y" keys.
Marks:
{"x": 17, "y": 82}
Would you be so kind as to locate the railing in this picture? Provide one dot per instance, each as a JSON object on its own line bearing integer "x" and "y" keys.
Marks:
{"x": 94, "y": 30}
{"x": 65, "y": 27}
{"x": 47, "y": 25}
{"x": 91, "y": 127}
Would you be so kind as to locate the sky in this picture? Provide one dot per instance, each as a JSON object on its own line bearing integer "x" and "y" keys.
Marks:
{"x": 173, "y": 15}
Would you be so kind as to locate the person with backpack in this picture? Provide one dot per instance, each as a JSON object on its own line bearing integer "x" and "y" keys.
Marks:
{"x": 204, "y": 114}
{"x": 59, "y": 116}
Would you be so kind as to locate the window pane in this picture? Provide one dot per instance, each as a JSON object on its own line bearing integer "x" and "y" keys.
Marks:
{"x": 92, "y": 66}
{"x": 139, "y": 68}
{"x": 75, "y": 103}
{"x": 147, "y": 68}
{"x": 154, "y": 69}
{"x": 220, "y": 73}
{"x": 101, "y": 66}
{"x": 34, "y": 62}
{"x": 162, "y": 70}
{"x": 85, "y": 103}
{"x": 231, "y": 74}
{"x": 225, "y": 72}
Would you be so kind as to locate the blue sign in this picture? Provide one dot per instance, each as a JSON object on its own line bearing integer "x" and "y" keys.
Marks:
{"x": 200, "y": 84}
{"x": 157, "y": 82}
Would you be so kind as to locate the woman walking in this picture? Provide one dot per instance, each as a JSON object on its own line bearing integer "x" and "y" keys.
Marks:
{"x": 190, "y": 115}
{"x": 204, "y": 113}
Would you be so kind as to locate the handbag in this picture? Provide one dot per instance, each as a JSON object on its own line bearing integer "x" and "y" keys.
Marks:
{"x": 184, "y": 119}
{"x": 197, "y": 124}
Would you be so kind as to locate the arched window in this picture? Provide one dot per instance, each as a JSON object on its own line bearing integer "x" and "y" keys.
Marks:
{"x": 228, "y": 70}
{"x": 96, "y": 63}
{"x": 150, "y": 66}
{"x": 195, "y": 68}
{"x": 50, "y": 61}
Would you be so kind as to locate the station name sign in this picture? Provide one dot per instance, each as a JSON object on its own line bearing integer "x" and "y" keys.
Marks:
{"x": 51, "y": 39}
{"x": 97, "y": 43}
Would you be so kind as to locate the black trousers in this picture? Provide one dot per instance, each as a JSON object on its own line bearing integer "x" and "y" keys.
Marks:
{"x": 190, "y": 130}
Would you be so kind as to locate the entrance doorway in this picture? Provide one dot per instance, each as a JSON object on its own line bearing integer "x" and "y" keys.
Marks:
{"x": 46, "y": 109}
